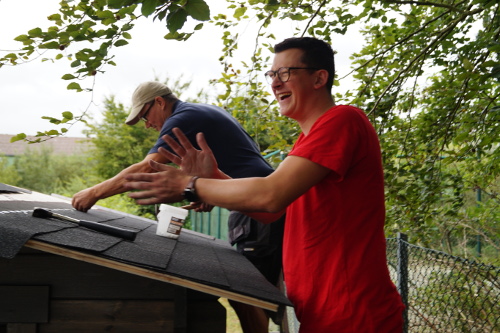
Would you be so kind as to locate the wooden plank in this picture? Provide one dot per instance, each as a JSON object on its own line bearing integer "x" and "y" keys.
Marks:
{"x": 109, "y": 316}
{"x": 206, "y": 314}
{"x": 180, "y": 312}
{"x": 24, "y": 304}
{"x": 74, "y": 279}
{"x": 151, "y": 274}
{"x": 21, "y": 328}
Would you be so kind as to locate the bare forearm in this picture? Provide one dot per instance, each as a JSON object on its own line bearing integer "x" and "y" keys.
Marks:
{"x": 249, "y": 195}
{"x": 271, "y": 194}
{"x": 85, "y": 199}
{"x": 116, "y": 185}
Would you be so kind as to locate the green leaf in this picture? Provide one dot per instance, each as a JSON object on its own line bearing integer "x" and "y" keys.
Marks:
{"x": 127, "y": 10}
{"x": 18, "y": 137}
{"x": 52, "y": 132}
{"x": 495, "y": 72}
{"x": 11, "y": 56}
{"x": 239, "y": 12}
{"x": 105, "y": 14}
{"x": 68, "y": 115}
{"x": 176, "y": 20}
{"x": 37, "y": 32}
{"x": 50, "y": 45}
{"x": 54, "y": 17}
{"x": 76, "y": 63}
{"x": 467, "y": 64}
{"x": 120, "y": 42}
{"x": 116, "y": 4}
{"x": 127, "y": 27}
{"x": 68, "y": 77}
{"x": 149, "y": 7}
{"x": 52, "y": 120}
{"x": 495, "y": 47}
{"x": 74, "y": 86}
{"x": 22, "y": 38}
{"x": 198, "y": 9}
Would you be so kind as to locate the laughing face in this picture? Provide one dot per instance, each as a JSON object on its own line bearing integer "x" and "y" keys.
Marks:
{"x": 293, "y": 94}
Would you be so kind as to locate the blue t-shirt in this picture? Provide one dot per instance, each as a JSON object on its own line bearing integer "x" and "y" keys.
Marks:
{"x": 236, "y": 153}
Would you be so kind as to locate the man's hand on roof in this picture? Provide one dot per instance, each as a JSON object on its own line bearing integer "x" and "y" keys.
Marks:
{"x": 84, "y": 200}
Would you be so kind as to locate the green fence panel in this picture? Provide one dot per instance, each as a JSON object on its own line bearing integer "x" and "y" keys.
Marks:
{"x": 212, "y": 223}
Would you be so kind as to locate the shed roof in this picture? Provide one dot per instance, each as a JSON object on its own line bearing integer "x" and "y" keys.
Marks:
{"x": 59, "y": 145}
{"x": 194, "y": 260}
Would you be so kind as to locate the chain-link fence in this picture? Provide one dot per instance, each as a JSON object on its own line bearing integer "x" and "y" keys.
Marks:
{"x": 444, "y": 293}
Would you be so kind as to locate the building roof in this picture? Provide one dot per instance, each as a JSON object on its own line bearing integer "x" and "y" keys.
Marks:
{"x": 59, "y": 145}
{"x": 195, "y": 261}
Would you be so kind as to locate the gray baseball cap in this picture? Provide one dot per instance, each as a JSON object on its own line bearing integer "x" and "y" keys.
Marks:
{"x": 145, "y": 93}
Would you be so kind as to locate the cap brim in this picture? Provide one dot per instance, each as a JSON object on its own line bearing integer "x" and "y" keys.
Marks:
{"x": 133, "y": 117}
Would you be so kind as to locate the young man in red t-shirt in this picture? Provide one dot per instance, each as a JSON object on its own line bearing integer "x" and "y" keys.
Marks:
{"x": 332, "y": 188}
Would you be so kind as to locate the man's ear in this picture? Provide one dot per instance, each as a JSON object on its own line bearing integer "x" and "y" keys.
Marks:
{"x": 321, "y": 78}
{"x": 160, "y": 101}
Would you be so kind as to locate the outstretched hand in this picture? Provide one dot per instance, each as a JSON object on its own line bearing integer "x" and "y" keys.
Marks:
{"x": 194, "y": 162}
{"x": 164, "y": 186}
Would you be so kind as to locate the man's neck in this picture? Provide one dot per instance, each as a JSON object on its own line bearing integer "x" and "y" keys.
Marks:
{"x": 314, "y": 113}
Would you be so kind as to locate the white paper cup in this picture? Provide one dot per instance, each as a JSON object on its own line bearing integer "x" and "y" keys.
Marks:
{"x": 170, "y": 221}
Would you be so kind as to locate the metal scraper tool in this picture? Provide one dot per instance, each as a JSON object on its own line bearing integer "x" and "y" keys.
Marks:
{"x": 107, "y": 229}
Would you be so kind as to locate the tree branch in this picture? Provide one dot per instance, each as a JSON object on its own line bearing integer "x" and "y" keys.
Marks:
{"x": 426, "y": 3}
{"x": 424, "y": 52}
{"x": 313, "y": 16}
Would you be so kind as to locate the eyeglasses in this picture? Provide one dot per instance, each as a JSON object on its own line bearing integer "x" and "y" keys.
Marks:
{"x": 144, "y": 116}
{"x": 283, "y": 73}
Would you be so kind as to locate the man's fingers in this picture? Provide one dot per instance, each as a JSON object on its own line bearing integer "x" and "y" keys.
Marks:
{"x": 178, "y": 149}
{"x": 184, "y": 141}
{"x": 144, "y": 186}
{"x": 145, "y": 194}
{"x": 159, "y": 167}
{"x": 140, "y": 177}
{"x": 202, "y": 142}
{"x": 191, "y": 205}
{"x": 171, "y": 157}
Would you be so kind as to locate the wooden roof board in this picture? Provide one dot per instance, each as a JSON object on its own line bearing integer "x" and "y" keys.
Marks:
{"x": 194, "y": 261}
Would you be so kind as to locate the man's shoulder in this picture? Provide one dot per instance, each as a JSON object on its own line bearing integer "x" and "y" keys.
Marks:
{"x": 189, "y": 106}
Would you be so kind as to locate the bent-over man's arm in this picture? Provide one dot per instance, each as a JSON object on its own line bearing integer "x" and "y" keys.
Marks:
{"x": 85, "y": 199}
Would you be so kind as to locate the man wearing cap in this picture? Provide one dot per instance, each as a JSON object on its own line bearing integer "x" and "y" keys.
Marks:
{"x": 237, "y": 156}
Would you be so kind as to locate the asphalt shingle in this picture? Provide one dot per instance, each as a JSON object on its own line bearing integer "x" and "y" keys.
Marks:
{"x": 193, "y": 256}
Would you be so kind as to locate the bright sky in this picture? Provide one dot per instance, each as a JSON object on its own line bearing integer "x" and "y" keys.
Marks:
{"x": 33, "y": 90}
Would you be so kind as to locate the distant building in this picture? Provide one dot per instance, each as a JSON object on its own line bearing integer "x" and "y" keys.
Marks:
{"x": 58, "y": 145}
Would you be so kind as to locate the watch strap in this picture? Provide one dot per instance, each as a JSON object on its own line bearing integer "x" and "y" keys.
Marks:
{"x": 190, "y": 191}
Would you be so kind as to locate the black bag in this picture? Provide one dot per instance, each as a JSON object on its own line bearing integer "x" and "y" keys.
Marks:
{"x": 251, "y": 236}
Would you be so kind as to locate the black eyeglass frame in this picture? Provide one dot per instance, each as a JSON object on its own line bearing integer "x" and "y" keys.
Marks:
{"x": 144, "y": 116}
{"x": 270, "y": 75}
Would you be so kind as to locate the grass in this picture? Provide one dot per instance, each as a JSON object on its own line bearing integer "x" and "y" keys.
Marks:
{"x": 233, "y": 323}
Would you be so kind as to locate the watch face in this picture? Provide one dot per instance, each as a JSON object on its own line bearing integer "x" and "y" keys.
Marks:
{"x": 190, "y": 195}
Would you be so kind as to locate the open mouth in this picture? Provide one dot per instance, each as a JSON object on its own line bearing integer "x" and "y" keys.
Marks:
{"x": 283, "y": 96}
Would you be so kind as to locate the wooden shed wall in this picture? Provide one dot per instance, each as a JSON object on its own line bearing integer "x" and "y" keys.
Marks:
{"x": 83, "y": 297}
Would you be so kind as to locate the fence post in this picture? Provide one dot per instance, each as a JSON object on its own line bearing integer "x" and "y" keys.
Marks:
{"x": 402, "y": 271}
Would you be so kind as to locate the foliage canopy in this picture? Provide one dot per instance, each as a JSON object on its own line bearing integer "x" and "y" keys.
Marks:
{"x": 428, "y": 76}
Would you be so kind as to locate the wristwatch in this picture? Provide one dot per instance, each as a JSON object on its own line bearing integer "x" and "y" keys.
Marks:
{"x": 190, "y": 192}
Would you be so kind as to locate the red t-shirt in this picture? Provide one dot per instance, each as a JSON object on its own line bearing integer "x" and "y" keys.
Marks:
{"x": 334, "y": 244}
